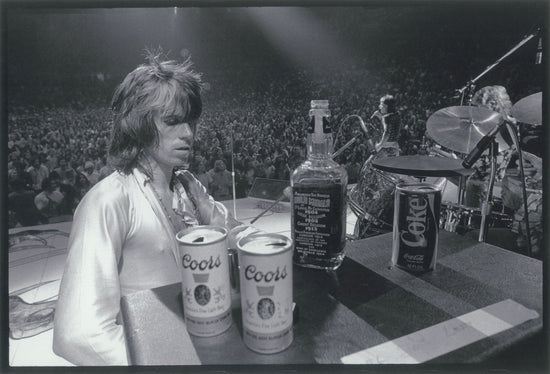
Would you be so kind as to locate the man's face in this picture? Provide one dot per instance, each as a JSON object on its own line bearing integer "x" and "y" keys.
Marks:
{"x": 175, "y": 141}
{"x": 54, "y": 184}
{"x": 219, "y": 166}
{"x": 383, "y": 107}
{"x": 492, "y": 104}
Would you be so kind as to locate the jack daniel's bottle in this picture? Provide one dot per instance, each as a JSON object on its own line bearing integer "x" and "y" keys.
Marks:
{"x": 319, "y": 198}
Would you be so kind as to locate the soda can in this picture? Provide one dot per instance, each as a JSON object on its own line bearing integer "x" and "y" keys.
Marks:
{"x": 416, "y": 226}
{"x": 205, "y": 280}
{"x": 265, "y": 262}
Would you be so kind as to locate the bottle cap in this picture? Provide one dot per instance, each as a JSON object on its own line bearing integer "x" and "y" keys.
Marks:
{"x": 319, "y": 104}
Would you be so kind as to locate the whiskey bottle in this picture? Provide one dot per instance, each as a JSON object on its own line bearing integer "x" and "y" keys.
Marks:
{"x": 318, "y": 213}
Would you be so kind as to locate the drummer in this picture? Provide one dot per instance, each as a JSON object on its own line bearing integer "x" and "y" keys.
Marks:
{"x": 496, "y": 99}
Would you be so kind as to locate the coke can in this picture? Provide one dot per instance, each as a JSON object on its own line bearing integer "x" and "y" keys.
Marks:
{"x": 205, "y": 280}
{"x": 416, "y": 226}
{"x": 265, "y": 262}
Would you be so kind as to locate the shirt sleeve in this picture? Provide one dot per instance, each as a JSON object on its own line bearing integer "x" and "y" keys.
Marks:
{"x": 211, "y": 212}
{"x": 85, "y": 327}
{"x": 215, "y": 213}
{"x": 40, "y": 201}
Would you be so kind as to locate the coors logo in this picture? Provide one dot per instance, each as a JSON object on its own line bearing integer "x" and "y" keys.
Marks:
{"x": 251, "y": 273}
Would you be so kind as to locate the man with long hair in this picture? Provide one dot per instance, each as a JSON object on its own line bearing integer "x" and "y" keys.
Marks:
{"x": 123, "y": 237}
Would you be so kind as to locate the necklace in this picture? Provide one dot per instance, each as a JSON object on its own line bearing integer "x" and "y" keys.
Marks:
{"x": 173, "y": 220}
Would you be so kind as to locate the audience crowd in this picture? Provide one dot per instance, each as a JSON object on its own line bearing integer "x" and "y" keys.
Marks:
{"x": 57, "y": 150}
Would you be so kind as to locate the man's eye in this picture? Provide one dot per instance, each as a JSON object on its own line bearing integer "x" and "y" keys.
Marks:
{"x": 172, "y": 122}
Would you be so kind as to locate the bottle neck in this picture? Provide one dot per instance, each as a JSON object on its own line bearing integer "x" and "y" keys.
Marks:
{"x": 319, "y": 137}
{"x": 319, "y": 146}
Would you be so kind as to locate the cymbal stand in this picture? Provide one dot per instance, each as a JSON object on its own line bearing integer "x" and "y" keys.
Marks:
{"x": 461, "y": 189}
{"x": 487, "y": 205}
{"x": 515, "y": 139}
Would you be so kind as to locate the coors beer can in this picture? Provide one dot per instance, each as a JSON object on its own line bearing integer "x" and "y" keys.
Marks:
{"x": 415, "y": 226}
{"x": 205, "y": 280}
{"x": 265, "y": 262}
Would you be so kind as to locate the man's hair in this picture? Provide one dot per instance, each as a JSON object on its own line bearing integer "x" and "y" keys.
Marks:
{"x": 389, "y": 101}
{"x": 153, "y": 91}
{"x": 496, "y": 93}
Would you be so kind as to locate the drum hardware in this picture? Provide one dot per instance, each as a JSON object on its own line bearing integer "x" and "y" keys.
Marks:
{"x": 461, "y": 219}
{"x": 489, "y": 140}
{"x": 515, "y": 139}
{"x": 437, "y": 151}
{"x": 487, "y": 205}
{"x": 522, "y": 110}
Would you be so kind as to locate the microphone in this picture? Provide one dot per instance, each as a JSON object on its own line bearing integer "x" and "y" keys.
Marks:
{"x": 481, "y": 146}
{"x": 370, "y": 144}
{"x": 538, "y": 56}
{"x": 375, "y": 114}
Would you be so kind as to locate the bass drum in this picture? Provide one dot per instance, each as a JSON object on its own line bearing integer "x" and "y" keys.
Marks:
{"x": 372, "y": 199}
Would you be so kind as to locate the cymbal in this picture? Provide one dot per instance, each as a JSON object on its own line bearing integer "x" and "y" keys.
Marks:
{"x": 422, "y": 166}
{"x": 529, "y": 109}
{"x": 460, "y": 128}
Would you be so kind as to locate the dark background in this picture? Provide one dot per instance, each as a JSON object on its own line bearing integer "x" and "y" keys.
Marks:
{"x": 60, "y": 47}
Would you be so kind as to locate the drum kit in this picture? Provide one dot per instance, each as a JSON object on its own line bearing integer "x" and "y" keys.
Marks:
{"x": 459, "y": 129}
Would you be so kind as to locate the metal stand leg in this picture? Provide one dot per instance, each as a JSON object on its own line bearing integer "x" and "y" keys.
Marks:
{"x": 487, "y": 205}
{"x": 461, "y": 189}
{"x": 515, "y": 138}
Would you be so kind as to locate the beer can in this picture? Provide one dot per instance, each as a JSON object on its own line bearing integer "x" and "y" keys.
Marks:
{"x": 265, "y": 262}
{"x": 205, "y": 280}
{"x": 416, "y": 226}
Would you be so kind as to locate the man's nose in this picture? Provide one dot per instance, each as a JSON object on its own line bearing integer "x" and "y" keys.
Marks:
{"x": 186, "y": 131}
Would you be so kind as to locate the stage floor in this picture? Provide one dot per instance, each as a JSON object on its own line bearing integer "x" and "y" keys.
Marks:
{"x": 36, "y": 266}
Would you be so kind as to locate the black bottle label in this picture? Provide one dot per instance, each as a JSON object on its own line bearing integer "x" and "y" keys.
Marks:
{"x": 318, "y": 221}
{"x": 326, "y": 125}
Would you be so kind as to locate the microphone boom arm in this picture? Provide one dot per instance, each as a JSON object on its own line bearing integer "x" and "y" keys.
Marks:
{"x": 489, "y": 68}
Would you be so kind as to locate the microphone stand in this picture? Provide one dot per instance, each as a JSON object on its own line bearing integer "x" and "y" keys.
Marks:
{"x": 515, "y": 139}
{"x": 471, "y": 83}
{"x": 487, "y": 205}
{"x": 233, "y": 176}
